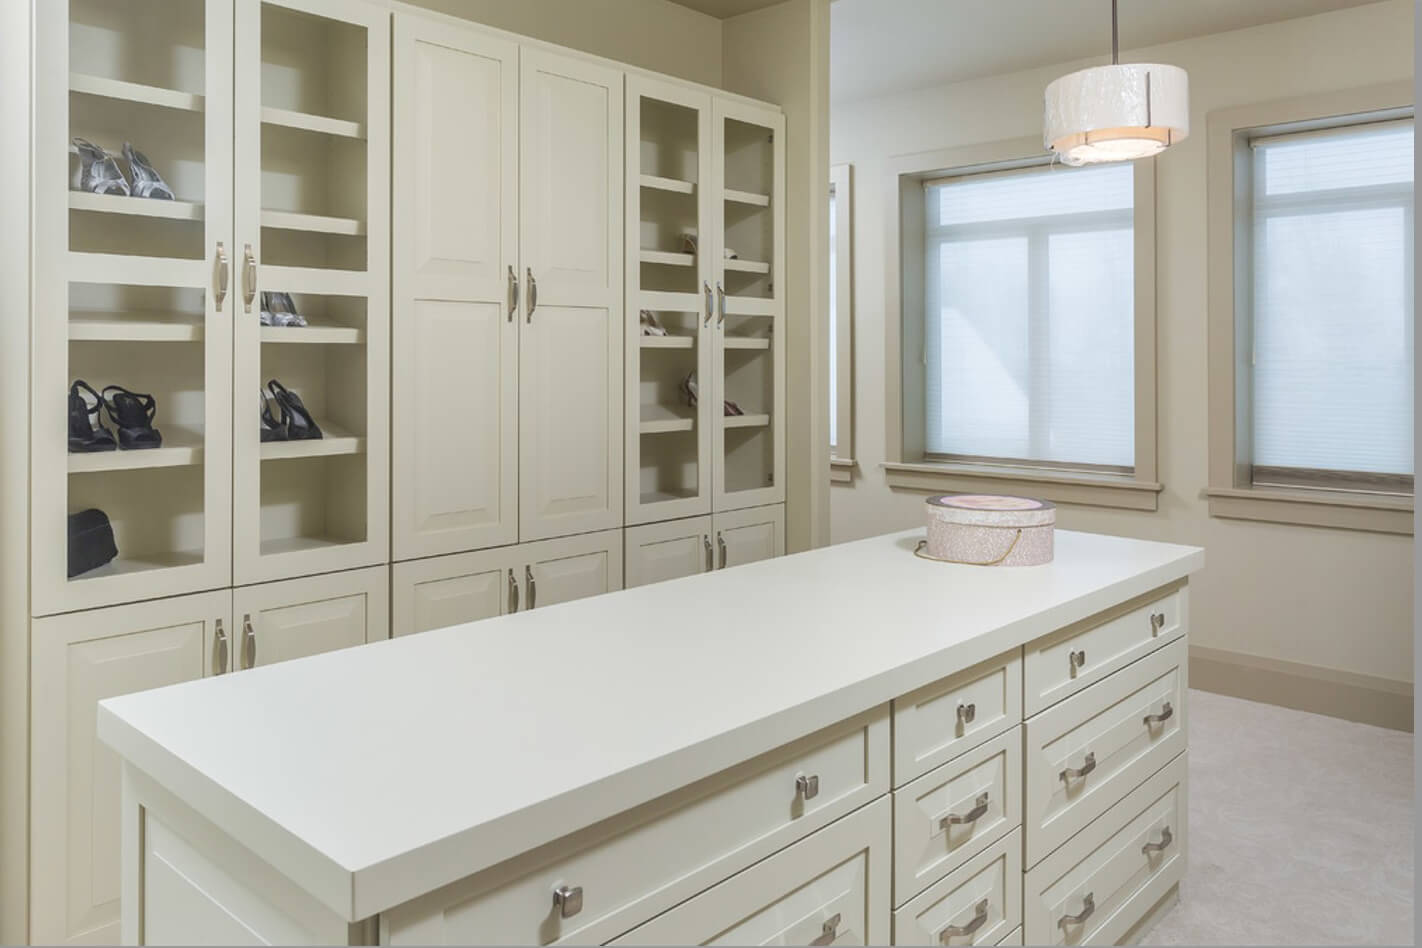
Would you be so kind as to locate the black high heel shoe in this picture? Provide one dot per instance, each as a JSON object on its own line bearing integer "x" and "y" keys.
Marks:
{"x": 272, "y": 430}
{"x": 132, "y": 414}
{"x": 300, "y": 426}
{"x": 87, "y": 433}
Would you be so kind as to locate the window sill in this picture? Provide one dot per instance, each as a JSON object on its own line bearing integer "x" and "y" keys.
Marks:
{"x": 1065, "y": 487}
{"x": 1344, "y": 510}
{"x": 842, "y": 470}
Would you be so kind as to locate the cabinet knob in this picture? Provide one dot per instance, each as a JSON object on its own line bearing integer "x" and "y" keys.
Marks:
{"x": 1076, "y": 773}
{"x": 721, "y": 546}
{"x": 706, "y": 542}
{"x": 1088, "y": 906}
{"x": 720, "y": 305}
{"x": 513, "y": 293}
{"x": 980, "y": 916}
{"x": 807, "y": 787}
{"x": 249, "y": 643}
{"x": 532, "y": 587}
{"x": 1157, "y": 622}
{"x": 532, "y": 293}
{"x": 249, "y": 278}
{"x": 1165, "y": 840}
{"x": 1077, "y": 659}
{"x": 223, "y": 275}
{"x": 568, "y": 900}
{"x": 1167, "y": 711}
{"x": 980, "y": 807}
{"x": 829, "y": 931}
{"x": 710, "y": 307}
{"x": 219, "y": 649}
{"x": 513, "y": 592}
{"x": 966, "y": 712}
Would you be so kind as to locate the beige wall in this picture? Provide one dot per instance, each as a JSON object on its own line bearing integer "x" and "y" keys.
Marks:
{"x": 1329, "y": 598}
{"x": 654, "y": 34}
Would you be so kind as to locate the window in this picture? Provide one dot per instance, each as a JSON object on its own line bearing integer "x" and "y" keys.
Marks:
{"x": 841, "y": 326}
{"x": 1310, "y": 322}
{"x": 1029, "y": 319}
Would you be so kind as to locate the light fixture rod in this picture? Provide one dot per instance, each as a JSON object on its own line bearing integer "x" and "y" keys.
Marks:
{"x": 1115, "y": 37}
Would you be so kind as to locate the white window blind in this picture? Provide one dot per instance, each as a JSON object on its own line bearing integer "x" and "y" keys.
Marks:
{"x": 833, "y": 332}
{"x": 1332, "y": 294}
{"x": 1029, "y": 299}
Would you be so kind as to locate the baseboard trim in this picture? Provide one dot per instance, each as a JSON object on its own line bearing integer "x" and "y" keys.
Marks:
{"x": 1366, "y": 699}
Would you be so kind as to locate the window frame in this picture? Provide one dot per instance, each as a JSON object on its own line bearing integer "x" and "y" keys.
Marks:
{"x": 908, "y": 466}
{"x": 841, "y": 185}
{"x": 1234, "y": 491}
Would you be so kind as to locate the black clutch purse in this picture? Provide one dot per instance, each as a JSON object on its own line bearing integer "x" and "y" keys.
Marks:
{"x": 91, "y": 541}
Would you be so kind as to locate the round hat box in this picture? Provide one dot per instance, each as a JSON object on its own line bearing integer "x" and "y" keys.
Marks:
{"x": 989, "y": 530}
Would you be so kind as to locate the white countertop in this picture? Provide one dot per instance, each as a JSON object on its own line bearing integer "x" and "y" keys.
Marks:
{"x": 376, "y": 774}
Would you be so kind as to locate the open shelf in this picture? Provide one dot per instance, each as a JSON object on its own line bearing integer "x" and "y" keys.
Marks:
{"x": 662, "y": 496}
{"x": 668, "y": 258}
{"x": 745, "y": 421}
{"x": 315, "y": 223}
{"x": 307, "y": 335}
{"x": 668, "y": 342}
{"x": 746, "y": 197}
{"x": 675, "y": 185}
{"x": 134, "y": 327}
{"x": 106, "y": 88}
{"x": 334, "y": 442}
{"x": 747, "y": 266}
{"x": 746, "y": 342}
{"x": 181, "y": 446}
{"x": 306, "y": 122}
{"x": 659, "y": 419}
{"x": 134, "y": 206}
{"x": 127, "y": 566}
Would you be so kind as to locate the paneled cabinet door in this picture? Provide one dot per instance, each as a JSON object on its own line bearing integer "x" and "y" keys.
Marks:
{"x": 746, "y": 536}
{"x": 570, "y": 568}
{"x": 451, "y": 590}
{"x": 661, "y": 551}
{"x": 300, "y": 617}
{"x": 456, "y": 287}
{"x": 79, "y": 659}
{"x": 571, "y": 305}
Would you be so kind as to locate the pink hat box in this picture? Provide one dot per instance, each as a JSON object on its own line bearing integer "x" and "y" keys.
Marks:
{"x": 988, "y": 530}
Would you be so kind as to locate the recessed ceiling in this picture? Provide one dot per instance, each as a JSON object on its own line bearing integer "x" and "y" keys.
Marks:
{"x": 722, "y": 9}
{"x": 882, "y": 46}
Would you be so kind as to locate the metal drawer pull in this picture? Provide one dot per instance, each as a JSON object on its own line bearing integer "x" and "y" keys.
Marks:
{"x": 1088, "y": 905}
{"x": 720, "y": 305}
{"x": 980, "y": 913}
{"x": 966, "y": 712}
{"x": 1157, "y": 622}
{"x": 807, "y": 787}
{"x": 1076, "y": 773}
{"x": 223, "y": 272}
{"x": 1165, "y": 840}
{"x": 980, "y": 806}
{"x": 249, "y": 279}
{"x": 1077, "y": 659}
{"x": 829, "y": 931}
{"x": 532, "y": 587}
{"x": 249, "y": 643}
{"x": 568, "y": 900}
{"x": 710, "y": 307}
{"x": 532, "y": 293}
{"x": 721, "y": 545}
{"x": 1167, "y": 711}
{"x": 706, "y": 542}
{"x": 513, "y": 293}
{"x": 219, "y": 651}
{"x": 513, "y": 592}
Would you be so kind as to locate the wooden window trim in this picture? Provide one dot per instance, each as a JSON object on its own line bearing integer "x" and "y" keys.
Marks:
{"x": 842, "y": 452}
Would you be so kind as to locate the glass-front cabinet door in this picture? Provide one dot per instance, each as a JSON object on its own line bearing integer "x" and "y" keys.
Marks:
{"x": 133, "y": 301}
{"x": 311, "y": 295}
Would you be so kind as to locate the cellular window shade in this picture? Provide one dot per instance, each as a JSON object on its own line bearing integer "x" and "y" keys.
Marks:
{"x": 1030, "y": 316}
{"x": 1332, "y": 300}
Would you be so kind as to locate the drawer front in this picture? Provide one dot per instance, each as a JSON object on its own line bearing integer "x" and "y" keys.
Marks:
{"x": 1014, "y": 937}
{"x": 1115, "y": 870}
{"x": 829, "y": 889}
{"x": 1088, "y": 752}
{"x": 977, "y": 904}
{"x": 951, "y": 812}
{"x": 940, "y": 721}
{"x": 643, "y": 862}
{"x": 1070, "y": 659}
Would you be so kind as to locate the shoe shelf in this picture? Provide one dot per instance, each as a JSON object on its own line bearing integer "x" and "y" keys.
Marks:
{"x": 143, "y": 563}
{"x": 120, "y": 90}
{"x": 674, "y": 185}
{"x": 751, "y": 198}
{"x": 668, "y": 258}
{"x": 745, "y": 421}
{"x": 668, "y": 342}
{"x": 181, "y": 447}
{"x": 746, "y": 342}
{"x": 660, "y": 419}
{"x": 333, "y": 442}
{"x": 134, "y": 326}
{"x": 319, "y": 124}
{"x": 138, "y": 207}
{"x": 311, "y": 335}
{"x": 747, "y": 266}
{"x": 315, "y": 223}
{"x": 316, "y": 281}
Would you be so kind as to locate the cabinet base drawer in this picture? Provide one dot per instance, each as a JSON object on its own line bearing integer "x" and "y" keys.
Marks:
{"x": 977, "y": 904}
{"x": 1099, "y": 886}
{"x": 941, "y": 720}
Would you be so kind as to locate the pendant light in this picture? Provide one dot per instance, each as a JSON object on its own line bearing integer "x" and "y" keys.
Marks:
{"x": 1116, "y": 112}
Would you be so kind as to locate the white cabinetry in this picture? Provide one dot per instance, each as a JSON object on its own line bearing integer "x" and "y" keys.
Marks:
{"x": 300, "y": 617}
{"x": 691, "y": 545}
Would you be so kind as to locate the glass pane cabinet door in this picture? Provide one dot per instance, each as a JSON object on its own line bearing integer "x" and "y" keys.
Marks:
{"x": 311, "y": 300}
{"x": 670, "y": 304}
{"x": 133, "y": 225}
{"x": 748, "y": 266}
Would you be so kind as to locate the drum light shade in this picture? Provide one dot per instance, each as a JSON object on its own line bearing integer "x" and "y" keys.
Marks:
{"x": 1117, "y": 112}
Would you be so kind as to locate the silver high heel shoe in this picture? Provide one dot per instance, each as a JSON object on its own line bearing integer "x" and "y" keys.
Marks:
{"x": 98, "y": 172}
{"x": 147, "y": 182}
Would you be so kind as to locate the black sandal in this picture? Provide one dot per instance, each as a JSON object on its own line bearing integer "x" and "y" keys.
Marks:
{"x": 132, "y": 414}
{"x": 87, "y": 433}
{"x": 272, "y": 430}
{"x": 299, "y": 424}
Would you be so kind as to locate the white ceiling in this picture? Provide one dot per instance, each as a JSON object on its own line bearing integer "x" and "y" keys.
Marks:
{"x": 880, "y": 46}
{"x": 722, "y": 9}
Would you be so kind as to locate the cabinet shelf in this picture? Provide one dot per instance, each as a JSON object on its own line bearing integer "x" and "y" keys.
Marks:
{"x": 316, "y": 281}
{"x": 335, "y": 442}
{"x": 105, "y": 88}
{"x": 280, "y": 545}
{"x": 134, "y": 327}
{"x": 659, "y": 419}
{"x": 746, "y": 342}
{"x": 745, "y": 421}
{"x": 668, "y": 258}
{"x": 668, "y": 184}
{"x": 306, "y": 122}
{"x": 314, "y": 223}
{"x": 747, "y": 266}
{"x": 142, "y": 563}
{"x": 746, "y": 197}
{"x": 181, "y": 447}
{"x": 663, "y": 496}
{"x": 668, "y": 342}
{"x": 134, "y": 206}
{"x": 322, "y": 335}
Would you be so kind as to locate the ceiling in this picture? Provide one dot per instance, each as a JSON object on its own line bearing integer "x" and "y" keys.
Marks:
{"x": 721, "y": 9}
{"x": 881, "y": 46}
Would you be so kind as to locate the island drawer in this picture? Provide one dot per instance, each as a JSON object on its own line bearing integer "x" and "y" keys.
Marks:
{"x": 1062, "y": 663}
{"x": 977, "y": 904}
{"x": 1086, "y": 753}
{"x": 604, "y": 880}
{"x": 951, "y": 812}
{"x": 1114, "y": 870}
{"x": 939, "y": 721}
{"x": 1014, "y": 937}
{"x": 830, "y": 888}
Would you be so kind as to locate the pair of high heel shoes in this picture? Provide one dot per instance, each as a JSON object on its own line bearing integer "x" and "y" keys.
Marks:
{"x": 292, "y": 422}
{"x": 99, "y": 173}
{"x": 692, "y": 393}
{"x": 130, "y": 412}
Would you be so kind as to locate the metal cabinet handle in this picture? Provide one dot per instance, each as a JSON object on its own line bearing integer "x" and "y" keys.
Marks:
{"x": 532, "y": 587}
{"x": 249, "y": 643}
{"x": 706, "y": 542}
{"x": 1157, "y": 622}
{"x": 807, "y": 786}
{"x": 829, "y": 931}
{"x": 710, "y": 308}
{"x": 513, "y": 293}
{"x": 223, "y": 273}
{"x": 249, "y": 279}
{"x": 720, "y": 305}
{"x": 568, "y": 900}
{"x": 1166, "y": 838}
{"x": 219, "y": 650}
{"x": 1077, "y": 659}
{"x": 1167, "y": 711}
{"x": 1088, "y": 906}
{"x": 721, "y": 548}
{"x": 980, "y": 806}
{"x": 1076, "y": 773}
{"x": 980, "y": 914}
{"x": 966, "y": 712}
{"x": 532, "y": 293}
{"x": 513, "y": 592}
